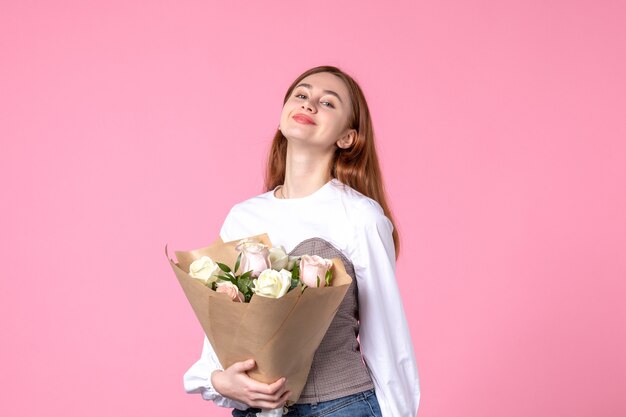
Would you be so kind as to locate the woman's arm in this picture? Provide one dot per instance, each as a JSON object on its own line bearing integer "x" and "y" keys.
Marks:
{"x": 232, "y": 387}
{"x": 197, "y": 379}
{"x": 386, "y": 343}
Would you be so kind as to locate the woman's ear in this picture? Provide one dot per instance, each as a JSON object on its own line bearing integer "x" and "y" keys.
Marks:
{"x": 347, "y": 139}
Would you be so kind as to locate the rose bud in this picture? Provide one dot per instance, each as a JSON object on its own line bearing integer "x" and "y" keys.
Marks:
{"x": 255, "y": 256}
{"x": 312, "y": 267}
{"x": 278, "y": 258}
{"x": 231, "y": 290}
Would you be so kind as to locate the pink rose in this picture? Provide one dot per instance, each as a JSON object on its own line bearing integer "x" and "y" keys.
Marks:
{"x": 255, "y": 256}
{"x": 230, "y": 290}
{"x": 312, "y": 267}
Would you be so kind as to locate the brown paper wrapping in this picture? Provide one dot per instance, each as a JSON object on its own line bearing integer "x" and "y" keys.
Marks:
{"x": 281, "y": 334}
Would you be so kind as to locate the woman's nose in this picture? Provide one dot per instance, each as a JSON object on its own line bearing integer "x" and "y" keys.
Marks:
{"x": 308, "y": 106}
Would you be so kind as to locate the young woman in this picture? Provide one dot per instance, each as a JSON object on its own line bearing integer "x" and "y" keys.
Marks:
{"x": 324, "y": 190}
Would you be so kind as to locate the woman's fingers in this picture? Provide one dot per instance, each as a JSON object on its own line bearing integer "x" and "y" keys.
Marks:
{"x": 234, "y": 382}
{"x": 277, "y": 385}
{"x": 268, "y": 395}
{"x": 275, "y": 388}
{"x": 243, "y": 366}
{"x": 271, "y": 403}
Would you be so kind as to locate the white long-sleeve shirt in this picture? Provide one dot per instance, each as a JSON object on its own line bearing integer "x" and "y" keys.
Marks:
{"x": 357, "y": 226}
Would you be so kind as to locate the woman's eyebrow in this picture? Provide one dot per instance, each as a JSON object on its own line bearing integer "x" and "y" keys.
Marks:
{"x": 309, "y": 86}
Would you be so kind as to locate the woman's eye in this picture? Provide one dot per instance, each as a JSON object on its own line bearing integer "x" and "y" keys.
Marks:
{"x": 326, "y": 103}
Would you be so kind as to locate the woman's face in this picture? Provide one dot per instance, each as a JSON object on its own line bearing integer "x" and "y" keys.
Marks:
{"x": 317, "y": 111}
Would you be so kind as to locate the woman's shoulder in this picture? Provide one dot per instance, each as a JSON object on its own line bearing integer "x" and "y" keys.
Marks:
{"x": 358, "y": 203}
{"x": 367, "y": 223}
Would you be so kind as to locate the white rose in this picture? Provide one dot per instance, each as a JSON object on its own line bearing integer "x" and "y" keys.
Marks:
{"x": 292, "y": 262}
{"x": 271, "y": 283}
{"x": 204, "y": 269}
{"x": 278, "y": 258}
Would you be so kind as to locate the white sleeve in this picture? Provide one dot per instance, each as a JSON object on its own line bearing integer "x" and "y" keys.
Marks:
{"x": 197, "y": 379}
{"x": 385, "y": 339}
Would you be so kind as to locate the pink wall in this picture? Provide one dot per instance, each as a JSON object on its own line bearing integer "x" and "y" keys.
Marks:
{"x": 501, "y": 129}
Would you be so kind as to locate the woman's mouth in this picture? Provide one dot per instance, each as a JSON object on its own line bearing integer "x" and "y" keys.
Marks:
{"x": 304, "y": 119}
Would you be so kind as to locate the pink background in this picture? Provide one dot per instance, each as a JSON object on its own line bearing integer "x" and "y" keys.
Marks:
{"x": 126, "y": 125}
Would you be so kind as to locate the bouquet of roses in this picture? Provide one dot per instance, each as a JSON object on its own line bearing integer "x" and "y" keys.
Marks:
{"x": 283, "y": 305}
{"x": 268, "y": 272}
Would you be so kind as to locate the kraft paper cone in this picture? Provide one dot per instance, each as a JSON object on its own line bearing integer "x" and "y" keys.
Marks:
{"x": 281, "y": 334}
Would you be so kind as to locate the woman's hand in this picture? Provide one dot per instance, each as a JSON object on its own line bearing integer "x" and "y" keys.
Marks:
{"x": 235, "y": 383}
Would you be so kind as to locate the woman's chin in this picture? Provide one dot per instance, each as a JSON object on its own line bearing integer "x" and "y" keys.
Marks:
{"x": 301, "y": 138}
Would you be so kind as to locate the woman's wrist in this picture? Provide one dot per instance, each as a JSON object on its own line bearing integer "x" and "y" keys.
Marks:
{"x": 215, "y": 378}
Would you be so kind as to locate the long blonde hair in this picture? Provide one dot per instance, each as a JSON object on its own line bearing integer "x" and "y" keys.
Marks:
{"x": 356, "y": 166}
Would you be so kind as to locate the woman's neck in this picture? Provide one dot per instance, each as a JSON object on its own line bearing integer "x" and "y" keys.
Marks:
{"x": 305, "y": 173}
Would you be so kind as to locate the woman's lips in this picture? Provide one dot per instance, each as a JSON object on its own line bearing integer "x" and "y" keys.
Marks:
{"x": 304, "y": 119}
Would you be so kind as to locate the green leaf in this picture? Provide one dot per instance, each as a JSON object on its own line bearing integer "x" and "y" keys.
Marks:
{"x": 318, "y": 281}
{"x": 329, "y": 277}
{"x": 295, "y": 272}
{"x": 245, "y": 275}
{"x": 238, "y": 262}
{"x": 244, "y": 285}
{"x": 227, "y": 278}
{"x": 223, "y": 267}
{"x": 294, "y": 283}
